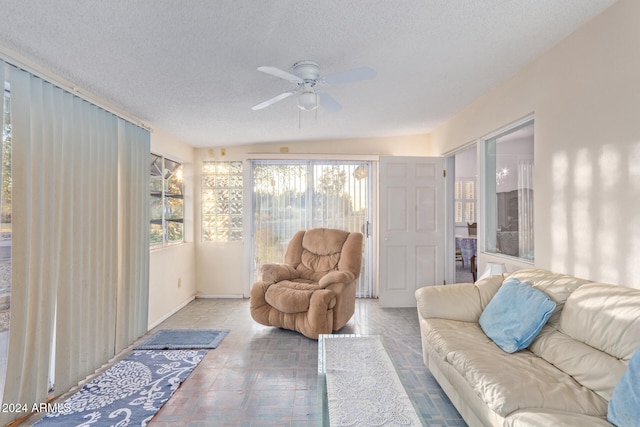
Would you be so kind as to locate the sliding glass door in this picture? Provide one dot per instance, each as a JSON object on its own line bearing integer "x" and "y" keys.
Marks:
{"x": 289, "y": 196}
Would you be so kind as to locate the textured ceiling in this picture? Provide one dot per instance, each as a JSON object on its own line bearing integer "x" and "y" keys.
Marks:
{"x": 189, "y": 67}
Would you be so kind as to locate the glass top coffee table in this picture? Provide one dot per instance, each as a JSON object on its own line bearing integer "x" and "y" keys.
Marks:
{"x": 358, "y": 383}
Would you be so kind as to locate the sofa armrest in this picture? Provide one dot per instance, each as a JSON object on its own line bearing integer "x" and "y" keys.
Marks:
{"x": 336, "y": 277}
{"x": 460, "y": 301}
{"x": 273, "y": 273}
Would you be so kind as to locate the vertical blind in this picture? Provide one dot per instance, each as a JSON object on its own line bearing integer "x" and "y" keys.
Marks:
{"x": 293, "y": 195}
{"x": 80, "y": 237}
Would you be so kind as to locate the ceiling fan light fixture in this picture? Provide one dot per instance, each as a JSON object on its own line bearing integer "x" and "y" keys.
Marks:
{"x": 305, "y": 75}
{"x": 308, "y": 101}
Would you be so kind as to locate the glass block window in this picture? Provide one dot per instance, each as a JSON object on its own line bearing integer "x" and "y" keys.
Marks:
{"x": 222, "y": 201}
{"x": 167, "y": 201}
{"x": 465, "y": 201}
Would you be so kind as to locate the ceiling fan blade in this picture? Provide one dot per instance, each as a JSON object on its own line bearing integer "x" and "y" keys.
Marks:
{"x": 272, "y": 100}
{"x": 350, "y": 76}
{"x": 328, "y": 103}
{"x": 277, "y": 72}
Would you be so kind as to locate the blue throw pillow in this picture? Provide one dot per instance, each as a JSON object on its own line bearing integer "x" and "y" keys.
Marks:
{"x": 516, "y": 315}
{"x": 624, "y": 406}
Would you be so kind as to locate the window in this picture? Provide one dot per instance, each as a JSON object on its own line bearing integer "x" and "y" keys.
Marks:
{"x": 222, "y": 201}
{"x": 167, "y": 201}
{"x": 465, "y": 201}
{"x": 509, "y": 167}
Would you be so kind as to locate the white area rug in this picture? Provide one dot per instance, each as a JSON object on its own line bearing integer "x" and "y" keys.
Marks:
{"x": 363, "y": 388}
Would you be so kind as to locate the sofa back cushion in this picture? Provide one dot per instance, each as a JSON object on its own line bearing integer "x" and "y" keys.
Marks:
{"x": 598, "y": 332}
{"x": 557, "y": 286}
{"x": 606, "y": 317}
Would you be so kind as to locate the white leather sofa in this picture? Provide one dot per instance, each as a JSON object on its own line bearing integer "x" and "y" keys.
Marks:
{"x": 564, "y": 378}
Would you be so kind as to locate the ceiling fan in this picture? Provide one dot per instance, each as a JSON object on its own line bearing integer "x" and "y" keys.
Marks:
{"x": 305, "y": 75}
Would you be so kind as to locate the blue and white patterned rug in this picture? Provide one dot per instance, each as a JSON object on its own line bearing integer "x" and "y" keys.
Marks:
{"x": 129, "y": 393}
{"x": 184, "y": 339}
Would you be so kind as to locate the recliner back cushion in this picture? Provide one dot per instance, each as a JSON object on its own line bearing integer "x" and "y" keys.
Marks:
{"x": 314, "y": 266}
{"x": 598, "y": 332}
{"x": 321, "y": 250}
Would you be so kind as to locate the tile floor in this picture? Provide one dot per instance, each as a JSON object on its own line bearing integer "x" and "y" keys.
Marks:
{"x": 463, "y": 274}
{"x": 263, "y": 376}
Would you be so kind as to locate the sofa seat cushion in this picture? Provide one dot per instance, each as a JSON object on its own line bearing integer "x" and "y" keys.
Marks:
{"x": 509, "y": 382}
{"x": 545, "y": 418}
{"x": 290, "y": 296}
{"x": 590, "y": 367}
{"x": 445, "y": 336}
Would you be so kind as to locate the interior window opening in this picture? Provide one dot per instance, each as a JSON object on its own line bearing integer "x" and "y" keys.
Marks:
{"x": 509, "y": 167}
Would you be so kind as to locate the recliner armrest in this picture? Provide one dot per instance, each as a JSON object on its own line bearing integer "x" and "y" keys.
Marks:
{"x": 273, "y": 273}
{"x": 336, "y": 277}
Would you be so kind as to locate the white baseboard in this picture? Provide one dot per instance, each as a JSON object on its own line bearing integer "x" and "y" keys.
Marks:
{"x": 171, "y": 313}
{"x": 229, "y": 296}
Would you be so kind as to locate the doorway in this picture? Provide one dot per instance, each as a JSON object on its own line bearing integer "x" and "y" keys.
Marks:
{"x": 464, "y": 209}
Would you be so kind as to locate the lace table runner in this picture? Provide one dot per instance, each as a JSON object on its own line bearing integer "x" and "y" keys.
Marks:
{"x": 363, "y": 388}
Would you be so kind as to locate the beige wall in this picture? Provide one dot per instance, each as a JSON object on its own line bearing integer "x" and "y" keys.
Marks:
{"x": 585, "y": 94}
{"x": 172, "y": 279}
{"x": 220, "y": 267}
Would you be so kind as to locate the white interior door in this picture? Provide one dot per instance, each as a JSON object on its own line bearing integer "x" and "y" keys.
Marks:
{"x": 412, "y": 227}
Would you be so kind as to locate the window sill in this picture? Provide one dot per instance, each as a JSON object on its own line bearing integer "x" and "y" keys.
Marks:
{"x": 158, "y": 248}
{"x": 220, "y": 242}
{"x": 511, "y": 258}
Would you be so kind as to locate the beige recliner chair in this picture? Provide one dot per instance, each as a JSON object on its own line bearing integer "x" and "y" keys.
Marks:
{"x": 314, "y": 290}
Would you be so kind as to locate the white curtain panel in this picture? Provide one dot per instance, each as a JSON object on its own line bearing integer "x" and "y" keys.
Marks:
{"x": 525, "y": 209}
{"x": 80, "y": 237}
